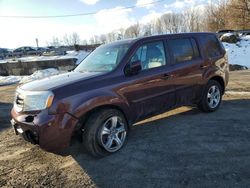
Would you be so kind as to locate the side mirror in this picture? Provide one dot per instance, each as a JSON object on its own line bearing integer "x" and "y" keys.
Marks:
{"x": 133, "y": 68}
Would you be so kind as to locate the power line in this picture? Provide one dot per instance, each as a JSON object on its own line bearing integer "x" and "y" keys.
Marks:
{"x": 82, "y": 14}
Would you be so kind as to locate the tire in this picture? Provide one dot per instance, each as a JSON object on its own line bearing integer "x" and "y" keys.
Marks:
{"x": 101, "y": 136}
{"x": 211, "y": 98}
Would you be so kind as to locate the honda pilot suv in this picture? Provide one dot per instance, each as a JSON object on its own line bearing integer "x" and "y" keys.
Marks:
{"x": 119, "y": 84}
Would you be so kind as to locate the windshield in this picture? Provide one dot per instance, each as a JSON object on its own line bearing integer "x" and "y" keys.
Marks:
{"x": 103, "y": 59}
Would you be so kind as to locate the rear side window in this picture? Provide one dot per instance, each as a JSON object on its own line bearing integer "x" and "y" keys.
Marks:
{"x": 184, "y": 49}
{"x": 213, "y": 47}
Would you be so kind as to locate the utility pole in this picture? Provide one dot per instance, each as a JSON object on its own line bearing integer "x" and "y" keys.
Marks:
{"x": 37, "y": 42}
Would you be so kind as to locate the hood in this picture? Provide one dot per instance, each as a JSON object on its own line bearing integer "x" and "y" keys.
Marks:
{"x": 57, "y": 81}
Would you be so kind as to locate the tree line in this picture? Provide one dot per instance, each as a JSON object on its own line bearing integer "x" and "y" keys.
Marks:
{"x": 216, "y": 15}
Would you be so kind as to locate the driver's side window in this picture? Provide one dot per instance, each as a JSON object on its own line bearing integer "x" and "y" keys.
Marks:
{"x": 151, "y": 55}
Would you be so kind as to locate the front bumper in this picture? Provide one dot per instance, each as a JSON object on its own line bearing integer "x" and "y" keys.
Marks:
{"x": 51, "y": 132}
{"x": 29, "y": 133}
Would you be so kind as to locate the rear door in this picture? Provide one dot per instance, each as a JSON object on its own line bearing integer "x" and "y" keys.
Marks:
{"x": 188, "y": 67}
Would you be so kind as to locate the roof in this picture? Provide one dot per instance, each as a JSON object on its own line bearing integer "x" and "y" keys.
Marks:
{"x": 133, "y": 40}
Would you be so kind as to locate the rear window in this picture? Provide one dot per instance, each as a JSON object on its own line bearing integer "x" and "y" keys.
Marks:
{"x": 213, "y": 46}
{"x": 184, "y": 49}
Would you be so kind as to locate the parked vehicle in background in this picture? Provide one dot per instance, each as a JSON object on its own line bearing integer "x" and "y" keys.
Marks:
{"x": 41, "y": 50}
{"x": 119, "y": 84}
{"x": 237, "y": 33}
{"x": 226, "y": 31}
{"x": 4, "y": 53}
{"x": 24, "y": 51}
{"x": 55, "y": 51}
{"x": 222, "y": 32}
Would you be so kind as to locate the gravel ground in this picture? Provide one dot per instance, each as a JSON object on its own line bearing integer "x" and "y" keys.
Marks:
{"x": 181, "y": 148}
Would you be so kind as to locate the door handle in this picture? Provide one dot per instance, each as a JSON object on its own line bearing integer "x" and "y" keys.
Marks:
{"x": 166, "y": 76}
{"x": 203, "y": 66}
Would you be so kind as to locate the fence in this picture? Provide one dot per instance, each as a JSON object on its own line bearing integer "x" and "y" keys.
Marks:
{"x": 27, "y": 68}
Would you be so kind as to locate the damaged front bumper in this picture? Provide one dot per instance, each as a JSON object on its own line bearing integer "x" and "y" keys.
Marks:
{"x": 51, "y": 132}
{"x": 28, "y": 132}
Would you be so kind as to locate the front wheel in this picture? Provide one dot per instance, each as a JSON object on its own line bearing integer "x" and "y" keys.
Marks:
{"x": 212, "y": 96}
{"x": 105, "y": 132}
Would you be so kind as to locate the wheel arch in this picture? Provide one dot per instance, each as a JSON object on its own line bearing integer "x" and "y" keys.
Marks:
{"x": 84, "y": 117}
{"x": 220, "y": 80}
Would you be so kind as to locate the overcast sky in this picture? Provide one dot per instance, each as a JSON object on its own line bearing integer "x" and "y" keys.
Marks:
{"x": 16, "y": 32}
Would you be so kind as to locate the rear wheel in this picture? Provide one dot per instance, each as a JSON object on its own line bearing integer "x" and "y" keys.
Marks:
{"x": 105, "y": 132}
{"x": 212, "y": 97}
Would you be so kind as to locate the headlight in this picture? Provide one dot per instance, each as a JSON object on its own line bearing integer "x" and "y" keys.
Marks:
{"x": 33, "y": 100}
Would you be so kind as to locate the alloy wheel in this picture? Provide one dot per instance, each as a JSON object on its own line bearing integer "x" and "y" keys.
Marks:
{"x": 113, "y": 134}
{"x": 213, "y": 96}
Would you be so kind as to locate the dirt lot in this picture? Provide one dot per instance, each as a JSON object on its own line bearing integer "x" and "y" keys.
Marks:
{"x": 181, "y": 148}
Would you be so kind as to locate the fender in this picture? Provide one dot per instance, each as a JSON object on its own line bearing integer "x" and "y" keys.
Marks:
{"x": 69, "y": 114}
{"x": 100, "y": 101}
{"x": 87, "y": 102}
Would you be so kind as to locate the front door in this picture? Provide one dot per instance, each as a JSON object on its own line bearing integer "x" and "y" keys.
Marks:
{"x": 151, "y": 91}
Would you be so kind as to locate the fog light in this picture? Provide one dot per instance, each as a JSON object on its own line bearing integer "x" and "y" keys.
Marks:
{"x": 19, "y": 130}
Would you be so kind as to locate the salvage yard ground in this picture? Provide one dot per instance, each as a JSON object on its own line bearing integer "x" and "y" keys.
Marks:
{"x": 181, "y": 148}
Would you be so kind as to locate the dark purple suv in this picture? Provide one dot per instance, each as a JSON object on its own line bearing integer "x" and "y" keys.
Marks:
{"x": 119, "y": 84}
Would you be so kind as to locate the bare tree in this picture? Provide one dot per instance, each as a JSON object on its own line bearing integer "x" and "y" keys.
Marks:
{"x": 158, "y": 26}
{"x": 147, "y": 29}
{"x": 84, "y": 42}
{"x": 103, "y": 38}
{"x": 121, "y": 33}
{"x": 133, "y": 31}
{"x": 112, "y": 36}
{"x": 96, "y": 39}
{"x": 228, "y": 14}
{"x": 75, "y": 38}
{"x": 71, "y": 39}
{"x": 173, "y": 23}
{"x": 165, "y": 18}
{"x": 240, "y": 13}
{"x": 92, "y": 40}
{"x": 66, "y": 40}
{"x": 194, "y": 20}
{"x": 55, "y": 42}
{"x": 217, "y": 15}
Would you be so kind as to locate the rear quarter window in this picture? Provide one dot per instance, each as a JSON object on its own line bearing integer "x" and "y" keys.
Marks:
{"x": 184, "y": 49}
{"x": 213, "y": 46}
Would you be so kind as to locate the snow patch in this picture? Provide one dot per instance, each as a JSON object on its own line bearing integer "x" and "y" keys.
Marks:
{"x": 8, "y": 80}
{"x": 227, "y": 35}
{"x": 247, "y": 37}
{"x": 239, "y": 53}
{"x": 79, "y": 55}
{"x": 39, "y": 75}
